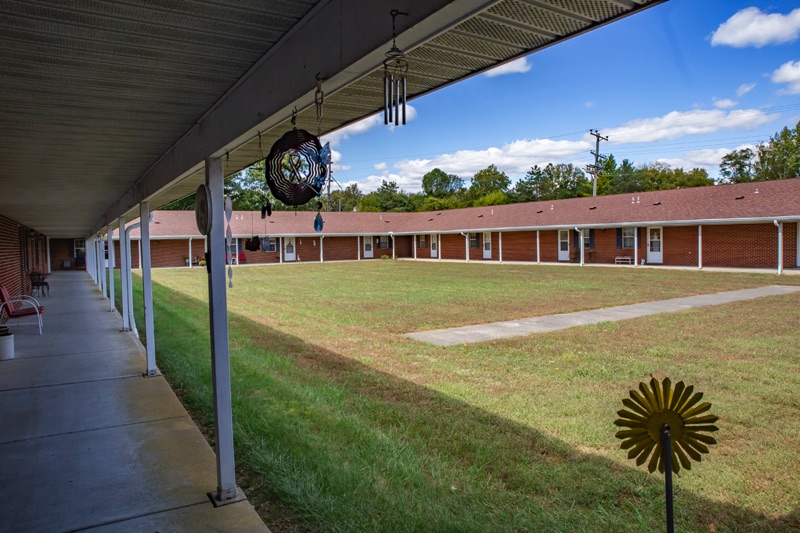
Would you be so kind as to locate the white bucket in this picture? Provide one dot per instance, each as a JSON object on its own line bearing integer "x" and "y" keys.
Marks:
{"x": 6, "y": 347}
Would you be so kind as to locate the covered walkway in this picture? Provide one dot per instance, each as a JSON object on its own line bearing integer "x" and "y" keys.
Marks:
{"x": 87, "y": 442}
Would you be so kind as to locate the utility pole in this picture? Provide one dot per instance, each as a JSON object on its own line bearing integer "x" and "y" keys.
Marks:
{"x": 594, "y": 170}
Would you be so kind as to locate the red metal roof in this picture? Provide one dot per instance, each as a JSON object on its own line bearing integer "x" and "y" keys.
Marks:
{"x": 716, "y": 204}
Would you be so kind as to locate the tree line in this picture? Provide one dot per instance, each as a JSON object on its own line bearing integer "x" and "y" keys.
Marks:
{"x": 778, "y": 158}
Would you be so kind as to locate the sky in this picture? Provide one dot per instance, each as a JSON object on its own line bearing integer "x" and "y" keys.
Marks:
{"x": 684, "y": 83}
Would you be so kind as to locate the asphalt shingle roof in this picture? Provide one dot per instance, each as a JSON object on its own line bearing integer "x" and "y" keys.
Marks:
{"x": 720, "y": 203}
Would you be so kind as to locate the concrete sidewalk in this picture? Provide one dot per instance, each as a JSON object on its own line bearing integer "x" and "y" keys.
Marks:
{"x": 526, "y": 326}
{"x": 87, "y": 443}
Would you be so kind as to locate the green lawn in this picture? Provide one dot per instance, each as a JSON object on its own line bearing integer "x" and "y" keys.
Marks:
{"x": 342, "y": 424}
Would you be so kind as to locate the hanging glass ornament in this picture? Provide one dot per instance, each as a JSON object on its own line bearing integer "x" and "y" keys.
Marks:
{"x": 318, "y": 222}
{"x": 395, "y": 69}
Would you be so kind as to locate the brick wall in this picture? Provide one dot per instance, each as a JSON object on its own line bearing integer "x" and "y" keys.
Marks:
{"x": 12, "y": 274}
{"x": 403, "y": 246}
{"x": 171, "y": 252}
{"x": 422, "y": 253}
{"x": 307, "y": 249}
{"x": 134, "y": 254}
{"x": 452, "y": 246}
{"x": 756, "y": 245}
{"x": 341, "y": 248}
{"x": 519, "y": 246}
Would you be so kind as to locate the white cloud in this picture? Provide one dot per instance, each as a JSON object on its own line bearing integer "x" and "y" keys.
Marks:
{"x": 362, "y": 126}
{"x": 381, "y": 166}
{"x": 752, "y": 27}
{"x": 518, "y": 66}
{"x": 711, "y": 156}
{"x": 679, "y": 123}
{"x": 589, "y": 104}
{"x": 788, "y": 73}
{"x": 725, "y": 103}
{"x": 514, "y": 159}
{"x": 744, "y": 89}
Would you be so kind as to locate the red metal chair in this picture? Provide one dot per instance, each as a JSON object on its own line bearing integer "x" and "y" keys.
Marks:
{"x": 14, "y": 308}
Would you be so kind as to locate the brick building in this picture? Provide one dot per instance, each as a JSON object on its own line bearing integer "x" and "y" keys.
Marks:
{"x": 745, "y": 225}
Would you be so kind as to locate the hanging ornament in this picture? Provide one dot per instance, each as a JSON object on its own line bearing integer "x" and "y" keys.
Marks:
{"x": 395, "y": 69}
{"x": 318, "y": 222}
{"x": 297, "y": 166}
{"x": 229, "y": 238}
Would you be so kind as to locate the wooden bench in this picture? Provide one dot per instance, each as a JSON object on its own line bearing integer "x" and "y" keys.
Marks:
{"x": 13, "y": 308}
{"x": 623, "y": 260}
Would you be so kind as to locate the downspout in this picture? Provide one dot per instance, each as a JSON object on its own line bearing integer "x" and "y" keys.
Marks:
{"x": 466, "y": 245}
{"x": 700, "y": 246}
{"x": 127, "y": 268}
{"x": 321, "y": 253}
{"x": 580, "y": 231}
{"x": 500, "y": 244}
{"x": 780, "y": 245}
{"x": 190, "y": 252}
{"x": 391, "y": 235}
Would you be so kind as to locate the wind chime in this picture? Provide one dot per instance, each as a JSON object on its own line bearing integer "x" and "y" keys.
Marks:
{"x": 395, "y": 69}
{"x": 670, "y": 423}
{"x": 298, "y": 166}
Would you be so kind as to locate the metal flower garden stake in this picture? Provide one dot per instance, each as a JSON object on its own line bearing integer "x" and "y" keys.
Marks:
{"x": 670, "y": 423}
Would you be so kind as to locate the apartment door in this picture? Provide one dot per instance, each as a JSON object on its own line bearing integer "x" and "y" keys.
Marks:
{"x": 434, "y": 247}
{"x": 563, "y": 245}
{"x": 289, "y": 252}
{"x": 368, "y": 247}
{"x": 487, "y": 244}
{"x": 655, "y": 244}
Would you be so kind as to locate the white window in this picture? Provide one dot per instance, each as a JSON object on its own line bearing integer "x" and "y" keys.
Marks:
{"x": 423, "y": 241}
{"x": 79, "y": 248}
{"x": 473, "y": 241}
{"x": 383, "y": 242}
{"x": 628, "y": 237}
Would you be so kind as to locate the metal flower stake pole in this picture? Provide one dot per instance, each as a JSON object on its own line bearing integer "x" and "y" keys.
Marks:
{"x": 670, "y": 423}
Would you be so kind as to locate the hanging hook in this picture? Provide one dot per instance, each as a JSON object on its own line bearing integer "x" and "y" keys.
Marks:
{"x": 294, "y": 117}
{"x": 394, "y": 13}
{"x": 260, "y": 152}
{"x": 319, "y": 97}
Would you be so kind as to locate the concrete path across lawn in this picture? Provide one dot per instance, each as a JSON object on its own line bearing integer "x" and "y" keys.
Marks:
{"x": 526, "y": 326}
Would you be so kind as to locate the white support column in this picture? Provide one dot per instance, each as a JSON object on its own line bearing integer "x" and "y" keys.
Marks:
{"x": 394, "y": 247}
{"x": 89, "y": 257}
{"x": 797, "y": 245}
{"x": 226, "y": 492}
{"x": 191, "y": 258}
{"x": 700, "y": 246}
{"x": 124, "y": 264}
{"x": 636, "y": 247}
{"x": 500, "y": 245}
{"x": 95, "y": 269}
{"x": 358, "y": 244}
{"x": 439, "y": 247}
{"x": 111, "y": 262}
{"x": 538, "y": 257}
{"x": 321, "y": 249}
{"x": 780, "y": 248}
{"x": 280, "y": 251}
{"x": 48, "y": 256}
{"x": 466, "y": 247}
{"x": 414, "y": 242}
{"x": 580, "y": 236}
{"x": 129, "y": 279}
{"x": 147, "y": 288}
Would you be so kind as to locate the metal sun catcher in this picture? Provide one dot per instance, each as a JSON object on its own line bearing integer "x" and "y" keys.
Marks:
{"x": 296, "y": 170}
{"x": 670, "y": 423}
{"x": 395, "y": 69}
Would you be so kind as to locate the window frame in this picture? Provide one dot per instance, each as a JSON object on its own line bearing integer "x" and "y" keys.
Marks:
{"x": 474, "y": 241}
{"x": 630, "y": 238}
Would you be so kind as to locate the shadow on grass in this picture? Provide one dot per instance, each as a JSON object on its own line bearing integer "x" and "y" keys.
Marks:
{"x": 344, "y": 447}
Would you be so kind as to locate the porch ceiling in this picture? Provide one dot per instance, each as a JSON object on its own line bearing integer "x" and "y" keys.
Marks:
{"x": 106, "y": 103}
